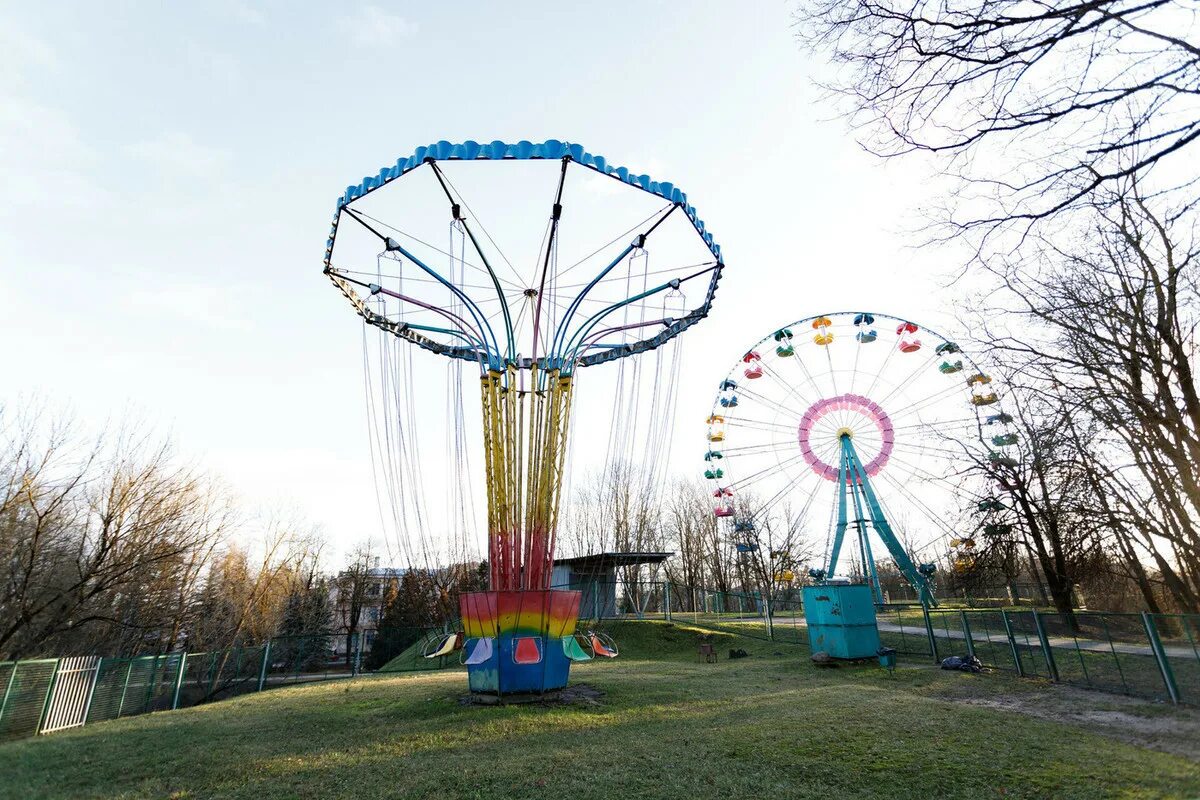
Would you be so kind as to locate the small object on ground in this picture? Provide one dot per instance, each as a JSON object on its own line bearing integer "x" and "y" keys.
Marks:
{"x": 962, "y": 663}
{"x": 823, "y": 659}
{"x": 708, "y": 652}
{"x": 887, "y": 659}
{"x": 738, "y": 653}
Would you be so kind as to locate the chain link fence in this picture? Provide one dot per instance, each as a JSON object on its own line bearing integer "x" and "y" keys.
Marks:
{"x": 53, "y": 694}
{"x": 1153, "y": 656}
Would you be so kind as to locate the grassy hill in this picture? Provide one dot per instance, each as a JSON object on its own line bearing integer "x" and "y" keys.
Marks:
{"x": 770, "y": 725}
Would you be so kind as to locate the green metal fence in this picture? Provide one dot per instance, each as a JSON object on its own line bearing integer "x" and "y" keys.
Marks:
{"x": 1154, "y": 656}
{"x": 27, "y": 689}
{"x": 45, "y": 695}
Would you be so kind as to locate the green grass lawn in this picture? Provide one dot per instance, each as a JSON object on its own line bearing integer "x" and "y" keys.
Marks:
{"x": 770, "y": 725}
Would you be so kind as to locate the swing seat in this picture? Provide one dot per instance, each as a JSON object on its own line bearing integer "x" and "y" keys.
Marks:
{"x": 605, "y": 649}
{"x": 481, "y": 652}
{"x": 447, "y": 646}
{"x": 527, "y": 651}
{"x": 573, "y": 651}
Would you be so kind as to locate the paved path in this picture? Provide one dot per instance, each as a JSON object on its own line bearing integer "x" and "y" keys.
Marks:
{"x": 1064, "y": 642}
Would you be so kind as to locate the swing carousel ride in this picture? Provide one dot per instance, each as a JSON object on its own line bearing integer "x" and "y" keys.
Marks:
{"x": 573, "y": 287}
{"x": 888, "y": 412}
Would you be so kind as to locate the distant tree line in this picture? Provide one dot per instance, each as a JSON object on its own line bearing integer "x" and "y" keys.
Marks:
{"x": 108, "y": 545}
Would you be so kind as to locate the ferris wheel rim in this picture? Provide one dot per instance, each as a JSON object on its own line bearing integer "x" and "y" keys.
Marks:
{"x": 771, "y": 339}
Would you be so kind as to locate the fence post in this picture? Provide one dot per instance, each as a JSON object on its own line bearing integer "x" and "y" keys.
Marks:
{"x": 667, "y": 600}
{"x": 179, "y": 680}
{"x": 1012, "y": 642}
{"x": 49, "y": 693}
{"x": 12, "y": 676}
{"x": 929, "y": 633}
{"x": 152, "y": 684}
{"x": 262, "y": 672}
{"x": 357, "y": 654}
{"x": 1041, "y": 632}
{"x": 87, "y": 708}
{"x": 966, "y": 626}
{"x": 1160, "y": 655}
{"x": 124, "y": 688}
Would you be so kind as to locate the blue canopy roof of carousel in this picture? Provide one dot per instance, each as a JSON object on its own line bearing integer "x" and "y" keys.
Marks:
{"x": 525, "y": 150}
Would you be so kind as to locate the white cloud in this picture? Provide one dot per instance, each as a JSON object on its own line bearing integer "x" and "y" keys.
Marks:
{"x": 214, "y": 65}
{"x": 19, "y": 51}
{"x": 221, "y": 307}
{"x": 45, "y": 161}
{"x": 177, "y": 153}
{"x": 247, "y": 13}
{"x": 372, "y": 26}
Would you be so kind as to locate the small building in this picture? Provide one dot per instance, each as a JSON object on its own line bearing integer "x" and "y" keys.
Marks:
{"x": 605, "y": 592}
{"x": 375, "y": 583}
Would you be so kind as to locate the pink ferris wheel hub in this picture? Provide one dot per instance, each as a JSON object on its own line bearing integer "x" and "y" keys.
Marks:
{"x": 863, "y": 411}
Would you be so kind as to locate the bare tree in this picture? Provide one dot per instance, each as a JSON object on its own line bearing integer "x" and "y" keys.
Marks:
{"x": 83, "y": 534}
{"x": 688, "y": 524}
{"x": 1045, "y": 486}
{"x": 1107, "y": 323}
{"x": 355, "y": 584}
{"x": 1067, "y": 132}
{"x": 772, "y": 548}
{"x": 1033, "y": 106}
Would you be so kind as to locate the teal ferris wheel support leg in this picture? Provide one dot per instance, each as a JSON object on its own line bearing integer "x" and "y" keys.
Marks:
{"x": 840, "y": 531}
{"x": 853, "y": 466}
{"x": 864, "y": 542}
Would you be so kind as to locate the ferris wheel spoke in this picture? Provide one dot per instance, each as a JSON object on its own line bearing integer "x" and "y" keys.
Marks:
{"x": 883, "y": 367}
{"x": 924, "y": 403}
{"x": 785, "y": 491}
{"x": 916, "y": 471}
{"x": 812, "y": 381}
{"x": 758, "y": 424}
{"x": 788, "y": 390}
{"x": 741, "y": 485}
{"x": 919, "y": 455}
{"x": 969, "y": 422}
{"x": 929, "y": 513}
{"x": 765, "y": 447}
{"x": 921, "y": 450}
{"x": 761, "y": 398}
{"x": 854, "y": 369}
{"x": 832, "y": 372}
{"x": 912, "y": 376}
{"x": 931, "y": 437}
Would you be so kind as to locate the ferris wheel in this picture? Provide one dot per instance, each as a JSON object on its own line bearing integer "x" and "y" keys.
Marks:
{"x": 867, "y": 425}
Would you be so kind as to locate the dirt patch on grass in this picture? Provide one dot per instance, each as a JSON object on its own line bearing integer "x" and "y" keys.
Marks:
{"x": 580, "y": 694}
{"x": 1152, "y": 725}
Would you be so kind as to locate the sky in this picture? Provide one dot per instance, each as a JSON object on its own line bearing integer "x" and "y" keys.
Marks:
{"x": 169, "y": 172}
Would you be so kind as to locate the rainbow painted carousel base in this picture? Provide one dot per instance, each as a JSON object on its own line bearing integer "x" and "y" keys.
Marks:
{"x": 519, "y": 642}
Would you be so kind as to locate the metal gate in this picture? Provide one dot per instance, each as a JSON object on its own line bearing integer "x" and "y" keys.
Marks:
{"x": 71, "y": 694}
